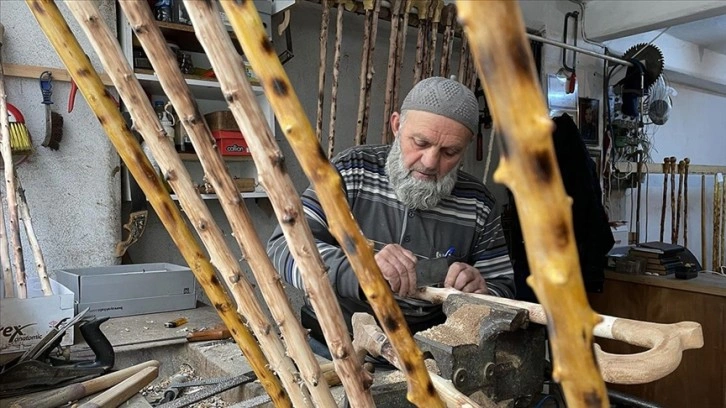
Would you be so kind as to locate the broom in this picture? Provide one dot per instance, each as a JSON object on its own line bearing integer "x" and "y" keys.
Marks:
{"x": 20, "y": 142}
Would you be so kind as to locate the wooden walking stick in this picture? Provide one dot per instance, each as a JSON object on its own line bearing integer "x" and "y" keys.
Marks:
{"x": 369, "y": 337}
{"x": 447, "y": 44}
{"x": 681, "y": 165}
{"x": 172, "y": 82}
{"x": 686, "y": 163}
{"x": 438, "y": 6}
{"x": 717, "y": 186}
{"x": 21, "y": 288}
{"x": 104, "y": 107}
{"x": 33, "y": 242}
{"x": 420, "y": 65}
{"x": 336, "y": 75}
{"x": 463, "y": 58}
{"x": 703, "y": 221}
{"x": 400, "y": 53}
{"x": 665, "y": 343}
{"x": 370, "y": 26}
{"x": 369, "y": 77}
{"x": 8, "y": 287}
{"x": 288, "y": 207}
{"x": 666, "y": 169}
{"x": 326, "y": 181}
{"x": 674, "y": 237}
{"x": 528, "y": 167}
{"x": 322, "y": 67}
{"x": 386, "y": 136}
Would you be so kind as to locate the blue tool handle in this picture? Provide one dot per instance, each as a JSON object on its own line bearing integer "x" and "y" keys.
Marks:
{"x": 46, "y": 87}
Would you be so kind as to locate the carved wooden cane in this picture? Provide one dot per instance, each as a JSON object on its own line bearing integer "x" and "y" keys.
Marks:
{"x": 370, "y": 29}
{"x": 674, "y": 237}
{"x": 104, "y": 107}
{"x": 326, "y": 181}
{"x": 325, "y": 19}
{"x": 438, "y": 6}
{"x": 681, "y": 165}
{"x": 529, "y": 168}
{"x": 419, "y": 68}
{"x": 686, "y": 163}
{"x": 447, "y": 44}
{"x": 666, "y": 169}
{"x": 400, "y": 53}
{"x": 289, "y": 210}
{"x": 665, "y": 342}
{"x": 336, "y": 76}
{"x": 386, "y": 136}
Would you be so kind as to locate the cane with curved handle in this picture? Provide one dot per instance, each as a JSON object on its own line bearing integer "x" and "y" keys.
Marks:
{"x": 665, "y": 342}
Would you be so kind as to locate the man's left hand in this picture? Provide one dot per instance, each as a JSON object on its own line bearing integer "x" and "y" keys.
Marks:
{"x": 465, "y": 278}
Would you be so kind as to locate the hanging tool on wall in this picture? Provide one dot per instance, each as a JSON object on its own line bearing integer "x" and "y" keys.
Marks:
{"x": 53, "y": 120}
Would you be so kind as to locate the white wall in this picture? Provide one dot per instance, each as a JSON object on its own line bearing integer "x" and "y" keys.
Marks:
{"x": 696, "y": 129}
{"x": 73, "y": 193}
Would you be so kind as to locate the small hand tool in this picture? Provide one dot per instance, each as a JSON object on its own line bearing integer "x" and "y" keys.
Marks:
{"x": 217, "y": 385}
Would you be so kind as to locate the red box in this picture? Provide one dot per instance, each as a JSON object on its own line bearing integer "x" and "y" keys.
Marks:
{"x": 231, "y": 143}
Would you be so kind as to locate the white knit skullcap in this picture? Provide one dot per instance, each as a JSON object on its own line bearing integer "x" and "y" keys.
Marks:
{"x": 444, "y": 97}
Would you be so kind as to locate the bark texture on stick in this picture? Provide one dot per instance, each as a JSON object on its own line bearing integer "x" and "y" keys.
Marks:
{"x": 322, "y": 67}
{"x": 463, "y": 58}
{"x": 369, "y": 337}
{"x": 104, "y": 107}
{"x": 528, "y": 166}
{"x": 174, "y": 86}
{"x": 336, "y": 76}
{"x": 370, "y": 72}
{"x": 21, "y": 288}
{"x": 674, "y": 237}
{"x": 33, "y": 242}
{"x": 448, "y": 41}
{"x": 326, "y": 181}
{"x": 400, "y": 53}
{"x": 665, "y": 343}
{"x": 386, "y": 136}
{"x": 419, "y": 65}
{"x": 437, "y": 6}
{"x": 360, "y": 138}
{"x": 288, "y": 208}
{"x": 8, "y": 287}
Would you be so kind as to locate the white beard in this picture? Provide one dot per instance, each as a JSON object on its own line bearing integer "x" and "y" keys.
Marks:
{"x": 412, "y": 192}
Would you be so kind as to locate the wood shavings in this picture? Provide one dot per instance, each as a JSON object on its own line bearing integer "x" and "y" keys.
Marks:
{"x": 461, "y": 328}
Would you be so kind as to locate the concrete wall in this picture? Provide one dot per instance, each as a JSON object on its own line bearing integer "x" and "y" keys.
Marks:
{"x": 73, "y": 193}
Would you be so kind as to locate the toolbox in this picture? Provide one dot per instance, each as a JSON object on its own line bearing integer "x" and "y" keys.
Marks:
{"x": 127, "y": 290}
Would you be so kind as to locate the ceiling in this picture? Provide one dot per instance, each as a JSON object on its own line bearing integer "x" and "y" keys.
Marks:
{"x": 710, "y": 33}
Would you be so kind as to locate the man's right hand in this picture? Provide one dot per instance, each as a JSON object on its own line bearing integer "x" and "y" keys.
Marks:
{"x": 398, "y": 267}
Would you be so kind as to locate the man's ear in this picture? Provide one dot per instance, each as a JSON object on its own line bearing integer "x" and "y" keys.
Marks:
{"x": 395, "y": 122}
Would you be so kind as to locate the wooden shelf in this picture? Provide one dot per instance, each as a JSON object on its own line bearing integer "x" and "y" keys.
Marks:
{"x": 183, "y": 36}
{"x": 201, "y": 88}
{"x": 194, "y": 157}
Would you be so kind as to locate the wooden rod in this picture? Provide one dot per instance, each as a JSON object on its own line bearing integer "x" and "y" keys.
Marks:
{"x": 369, "y": 76}
{"x": 326, "y": 181}
{"x": 7, "y": 273}
{"x": 666, "y": 168}
{"x": 388, "y": 107}
{"x": 681, "y": 169}
{"x": 437, "y": 6}
{"x": 400, "y": 54}
{"x": 447, "y": 45}
{"x": 359, "y": 137}
{"x": 104, "y": 107}
{"x": 322, "y": 67}
{"x": 674, "y": 238}
{"x": 686, "y": 163}
{"x": 172, "y": 82}
{"x": 21, "y": 287}
{"x": 34, "y": 71}
{"x": 703, "y": 221}
{"x": 336, "y": 76}
{"x": 528, "y": 166}
{"x": 40, "y": 266}
{"x": 716, "y": 257}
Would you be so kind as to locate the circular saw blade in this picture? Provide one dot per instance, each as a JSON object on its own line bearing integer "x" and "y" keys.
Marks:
{"x": 652, "y": 59}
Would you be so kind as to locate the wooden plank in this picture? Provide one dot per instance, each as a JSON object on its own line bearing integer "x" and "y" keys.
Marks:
{"x": 705, "y": 283}
{"x": 34, "y": 71}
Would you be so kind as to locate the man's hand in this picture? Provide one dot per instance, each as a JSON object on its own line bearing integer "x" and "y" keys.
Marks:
{"x": 398, "y": 267}
{"x": 465, "y": 278}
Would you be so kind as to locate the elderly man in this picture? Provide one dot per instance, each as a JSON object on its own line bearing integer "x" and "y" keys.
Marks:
{"x": 414, "y": 204}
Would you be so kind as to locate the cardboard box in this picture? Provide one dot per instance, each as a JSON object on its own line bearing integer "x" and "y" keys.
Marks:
{"x": 23, "y": 322}
{"x": 231, "y": 143}
{"x": 127, "y": 290}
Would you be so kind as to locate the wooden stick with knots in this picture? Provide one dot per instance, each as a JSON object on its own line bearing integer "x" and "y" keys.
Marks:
{"x": 388, "y": 107}
{"x": 104, "y": 107}
{"x": 324, "y": 178}
{"x": 686, "y": 163}
{"x": 419, "y": 68}
{"x": 528, "y": 166}
{"x": 681, "y": 169}
{"x": 674, "y": 237}
{"x": 665, "y": 343}
{"x": 325, "y": 19}
{"x": 370, "y": 29}
{"x": 703, "y": 220}
{"x": 448, "y": 41}
{"x": 438, "y": 6}
{"x": 40, "y": 266}
{"x": 666, "y": 170}
{"x": 401, "y": 51}
{"x": 336, "y": 76}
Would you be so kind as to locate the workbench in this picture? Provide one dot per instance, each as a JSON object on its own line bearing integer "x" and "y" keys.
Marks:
{"x": 700, "y": 380}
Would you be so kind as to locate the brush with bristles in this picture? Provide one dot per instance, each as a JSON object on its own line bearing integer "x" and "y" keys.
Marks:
{"x": 20, "y": 141}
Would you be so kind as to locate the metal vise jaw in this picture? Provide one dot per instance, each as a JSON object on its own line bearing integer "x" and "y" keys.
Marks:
{"x": 488, "y": 347}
